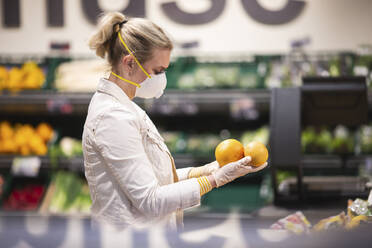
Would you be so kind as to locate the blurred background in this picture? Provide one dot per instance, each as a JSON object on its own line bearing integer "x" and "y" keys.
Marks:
{"x": 294, "y": 75}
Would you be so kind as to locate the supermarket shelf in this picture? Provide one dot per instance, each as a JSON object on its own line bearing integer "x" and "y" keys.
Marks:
{"x": 45, "y": 101}
{"x": 73, "y": 164}
{"x": 329, "y": 161}
{"x": 189, "y": 160}
{"x": 172, "y": 102}
{"x": 332, "y": 161}
{"x": 177, "y": 101}
{"x": 76, "y": 164}
{"x": 7, "y": 160}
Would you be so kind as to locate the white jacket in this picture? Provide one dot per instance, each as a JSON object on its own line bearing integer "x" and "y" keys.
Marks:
{"x": 129, "y": 169}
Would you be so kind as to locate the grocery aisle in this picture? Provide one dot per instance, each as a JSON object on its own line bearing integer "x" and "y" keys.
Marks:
{"x": 295, "y": 77}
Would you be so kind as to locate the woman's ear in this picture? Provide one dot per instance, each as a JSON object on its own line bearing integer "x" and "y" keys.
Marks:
{"x": 128, "y": 62}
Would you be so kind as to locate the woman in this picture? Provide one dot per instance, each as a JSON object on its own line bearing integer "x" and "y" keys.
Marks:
{"x": 130, "y": 171}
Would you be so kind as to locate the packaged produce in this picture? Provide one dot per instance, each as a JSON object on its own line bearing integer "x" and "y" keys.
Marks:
{"x": 360, "y": 207}
{"x": 356, "y": 221}
{"x": 333, "y": 222}
{"x": 358, "y": 213}
{"x": 295, "y": 223}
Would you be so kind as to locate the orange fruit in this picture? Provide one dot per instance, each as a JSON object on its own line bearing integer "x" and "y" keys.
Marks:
{"x": 228, "y": 151}
{"x": 6, "y": 130}
{"x": 45, "y": 131}
{"x": 25, "y": 150}
{"x": 257, "y": 151}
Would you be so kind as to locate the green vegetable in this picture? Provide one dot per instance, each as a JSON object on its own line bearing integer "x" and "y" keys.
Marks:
{"x": 71, "y": 194}
{"x": 71, "y": 147}
{"x": 313, "y": 141}
{"x": 366, "y": 139}
{"x": 261, "y": 135}
{"x": 343, "y": 142}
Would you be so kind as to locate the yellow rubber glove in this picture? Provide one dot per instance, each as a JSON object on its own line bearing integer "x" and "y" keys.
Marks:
{"x": 204, "y": 170}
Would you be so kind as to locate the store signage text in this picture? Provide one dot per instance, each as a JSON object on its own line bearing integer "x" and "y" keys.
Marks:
{"x": 58, "y": 231}
{"x": 55, "y": 12}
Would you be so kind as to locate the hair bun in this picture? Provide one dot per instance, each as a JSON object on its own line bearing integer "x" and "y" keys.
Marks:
{"x": 117, "y": 26}
{"x": 107, "y": 26}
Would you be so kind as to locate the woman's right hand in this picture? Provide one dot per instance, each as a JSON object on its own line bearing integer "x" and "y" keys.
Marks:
{"x": 233, "y": 170}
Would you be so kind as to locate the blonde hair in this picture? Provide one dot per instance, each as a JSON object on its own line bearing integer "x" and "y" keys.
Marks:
{"x": 140, "y": 35}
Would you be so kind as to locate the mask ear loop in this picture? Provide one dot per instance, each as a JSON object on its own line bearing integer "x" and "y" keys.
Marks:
{"x": 125, "y": 80}
{"x": 129, "y": 51}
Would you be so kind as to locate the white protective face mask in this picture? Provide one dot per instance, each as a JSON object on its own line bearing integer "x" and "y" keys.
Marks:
{"x": 152, "y": 87}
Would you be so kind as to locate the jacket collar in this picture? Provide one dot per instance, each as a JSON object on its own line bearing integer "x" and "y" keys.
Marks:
{"x": 110, "y": 88}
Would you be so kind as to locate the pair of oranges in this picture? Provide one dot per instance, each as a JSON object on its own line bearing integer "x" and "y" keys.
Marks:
{"x": 231, "y": 150}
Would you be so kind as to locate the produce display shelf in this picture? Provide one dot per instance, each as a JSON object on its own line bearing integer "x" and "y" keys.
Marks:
{"x": 6, "y": 161}
{"x": 53, "y": 102}
{"x": 74, "y": 164}
{"x": 189, "y": 160}
{"x": 314, "y": 161}
{"x": 205, "y": 100}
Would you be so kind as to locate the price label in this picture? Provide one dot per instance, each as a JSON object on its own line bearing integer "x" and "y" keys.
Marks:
{"x": 28, "y": 166}
{"x": 244, "y": 109}
{"x": 59, "y": 105}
